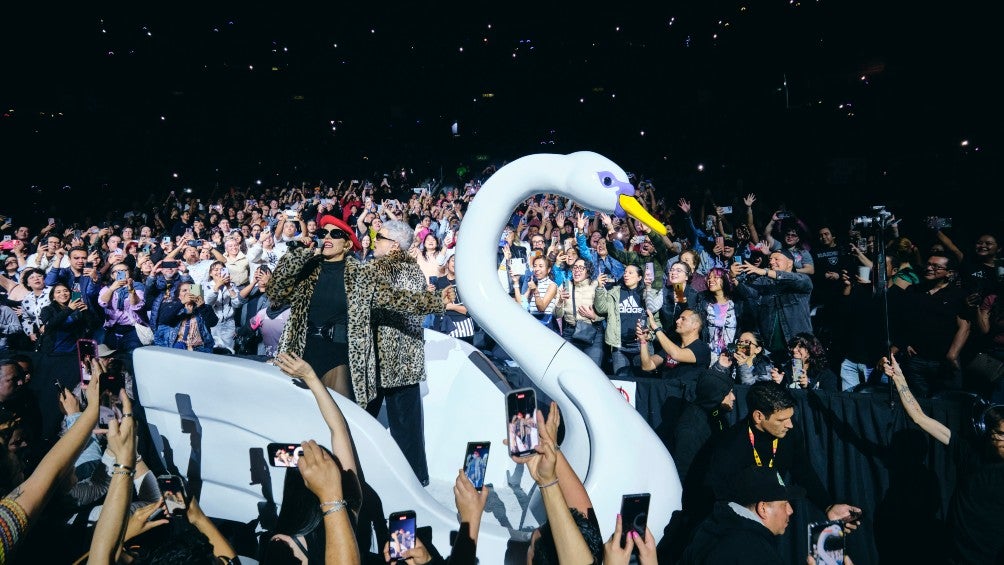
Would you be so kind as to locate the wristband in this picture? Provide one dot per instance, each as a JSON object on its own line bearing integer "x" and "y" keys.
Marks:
{"x": 130, "y": 472}
{"x": 550, "y": 484}
{"x": 127, "y": 468}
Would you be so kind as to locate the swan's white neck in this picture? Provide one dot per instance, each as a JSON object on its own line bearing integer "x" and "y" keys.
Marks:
{"x": 477, "y": 266}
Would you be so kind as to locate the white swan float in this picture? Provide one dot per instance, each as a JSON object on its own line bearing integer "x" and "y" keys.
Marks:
{"x": 212, "y": 415}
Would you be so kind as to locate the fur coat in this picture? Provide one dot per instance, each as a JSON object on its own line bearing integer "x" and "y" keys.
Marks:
{"x": 387, "y": 295}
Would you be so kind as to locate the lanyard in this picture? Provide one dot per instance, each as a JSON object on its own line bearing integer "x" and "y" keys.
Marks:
{"x": 756, "y": 456}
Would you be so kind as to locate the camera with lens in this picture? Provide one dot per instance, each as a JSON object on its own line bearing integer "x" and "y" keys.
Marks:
{"x": 936, "y": 223}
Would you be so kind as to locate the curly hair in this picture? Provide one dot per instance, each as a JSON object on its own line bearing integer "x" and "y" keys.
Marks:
{"x": 727, "y": 286}
{"x": 809, "y": 342}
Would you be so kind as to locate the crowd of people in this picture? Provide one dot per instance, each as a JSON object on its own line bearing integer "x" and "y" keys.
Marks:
{"x": 336, "y": 284}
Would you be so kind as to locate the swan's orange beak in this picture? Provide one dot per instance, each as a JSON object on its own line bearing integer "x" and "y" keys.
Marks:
{"x": 634, "y": 209}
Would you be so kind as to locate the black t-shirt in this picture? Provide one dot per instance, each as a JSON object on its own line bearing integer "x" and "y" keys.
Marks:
{"x": 976, "y": 513}
{"x": 328, "y": 305}
{"x": 631, "y": 308}
{"x": 688, "y": 372}
{"x": 979, "y": 278}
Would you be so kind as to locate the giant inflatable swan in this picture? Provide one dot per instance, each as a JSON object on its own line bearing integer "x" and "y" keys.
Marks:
{"x": 211, "y": 416}
{"x": 606, "y": 441}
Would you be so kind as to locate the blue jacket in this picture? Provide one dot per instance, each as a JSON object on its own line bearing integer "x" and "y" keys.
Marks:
{"x": 784, "y": 299}
{"x": 156, "y": 286}
{"x": 88, "y": 288}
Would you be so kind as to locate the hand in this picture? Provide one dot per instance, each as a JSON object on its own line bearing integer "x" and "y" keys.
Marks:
{"x": 843, "y": 512}
{"x": 602, "y": 279}
{"x": 803, "y": 380}
{"x": 419, "y": 555}
{"x": 724, "y": 359}
{"x": 684, "y": 205}
{"x": 741, "y": 357}
{"x": 776, "y": 376}
{"x": 470, "y": 503}
{"x": 606, "y": 221}
{"x": 641, "y": 334}
{"x": 295, "y": 366}
{"x": 588, "y": 312}
{"x": 613, "y": 553}
{"x": 68, "y": 403}
{"x": 121, "y": 437}
{"x": 749, "y": 200}
{"x": 559, "y": 220}
{"x": 77, "y": 304}
{"x": 809, "y": 560}
{"x": 140, "y": 523}
{"x": 320, "y": 472}
{"x": 580, "y": 221}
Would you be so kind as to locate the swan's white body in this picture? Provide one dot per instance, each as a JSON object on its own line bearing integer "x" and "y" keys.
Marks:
{"x": 233, "y": 406}
{"x": 606, "y": 441}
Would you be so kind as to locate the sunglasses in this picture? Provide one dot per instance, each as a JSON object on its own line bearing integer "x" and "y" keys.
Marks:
{"x": 333, "y": 233}
{"x": 383, "y": 237}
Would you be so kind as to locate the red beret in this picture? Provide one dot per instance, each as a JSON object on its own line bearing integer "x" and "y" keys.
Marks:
{"x": 333, "y": 221}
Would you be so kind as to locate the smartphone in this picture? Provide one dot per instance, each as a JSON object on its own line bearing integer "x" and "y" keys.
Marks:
{"x": 433, "y": 279}
{"x": 52, "y": 221}
{"x": 284, "y": 454}
{"x": 120, "y": 275}
{"x": 517, "y": 266}
{"x": 195, "y": 289}
{"x": 224, "y": 272}
{"x": 650, "y": 271}
{"x": 87, "y": 349}
{"x": 826, "y": 542}
{"x": 196, "y": 243}
{"x": 521, "y": 421}
{"x": 797, "y": 369}
{"x": 75, "y": 295}
{"x": 110, "y": 407}
{"x": 634, "y": 515}
{"x": 402, "y": 532}
{"x": 476, "y": 462}
{"x": 169, "y": 265}
{"x": 166, "y": 239}
{"x": 738, "y": 260}
{"x": 175, "y": 495}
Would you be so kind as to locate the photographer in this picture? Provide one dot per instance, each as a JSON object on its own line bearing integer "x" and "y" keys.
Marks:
{"x": 221, "y": 295}
{"x": 122, "y": 302}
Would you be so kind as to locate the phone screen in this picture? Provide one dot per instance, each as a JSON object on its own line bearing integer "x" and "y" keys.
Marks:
{"x": 517, "y": 266}
{"x": 173, "y": 489}
{"x": 402, "y": 532}
{"x": 521, "y": 422}
{"x": 634, "y": 515}
{"x": 826, "y": 542}
{"x": 797, "y": 369}
{"x": 86, "y": 351}
{"x": 476, "y": 462}
{"x": 650, "y": 271}
{"x": 284, "y": 454}
{"x": 111, "y": 406}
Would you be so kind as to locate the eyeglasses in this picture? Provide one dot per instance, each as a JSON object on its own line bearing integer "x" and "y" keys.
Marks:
{"x": 681, "y": 271}
{"x": 333, "y": 233}
{"x": 383, "y": 237}
{"x": 746, "y": 342}
{"x": 934, "y": 267}
{"x": 578, "y": 267}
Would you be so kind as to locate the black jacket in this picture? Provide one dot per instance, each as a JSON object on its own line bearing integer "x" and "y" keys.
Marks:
{"x": 702, "y": 418}
{"x": 734, "y": 453}
{"x": 726, "y": 537}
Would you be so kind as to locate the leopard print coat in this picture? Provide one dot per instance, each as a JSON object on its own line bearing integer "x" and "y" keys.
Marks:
{"x": 388, "y": 294}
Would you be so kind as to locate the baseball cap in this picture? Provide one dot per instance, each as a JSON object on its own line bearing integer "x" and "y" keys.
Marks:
{"x": 784, "y": 252}
{"x": 104, "y": 350}
{"x": 762, "y": 484}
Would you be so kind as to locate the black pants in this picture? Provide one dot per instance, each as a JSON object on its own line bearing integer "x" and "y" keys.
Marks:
{"x": 407, "y": 427}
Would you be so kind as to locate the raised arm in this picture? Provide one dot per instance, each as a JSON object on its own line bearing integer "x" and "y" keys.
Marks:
{"x": 936, "y": 429}
{"x": 108, "y": 532}
{"x": 34, "y": 492}
{"x": 341, "y": 441}
{"x": 322, "y": 477}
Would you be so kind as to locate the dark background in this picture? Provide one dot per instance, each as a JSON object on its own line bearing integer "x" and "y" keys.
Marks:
{"x": 878, "y": 99}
